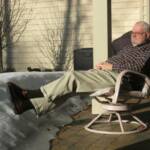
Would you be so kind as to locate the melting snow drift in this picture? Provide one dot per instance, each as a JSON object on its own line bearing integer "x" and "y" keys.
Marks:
{"x": 26, "y": 131}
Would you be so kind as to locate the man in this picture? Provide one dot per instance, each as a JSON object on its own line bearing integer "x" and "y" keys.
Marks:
{"x": 132, "y": 56}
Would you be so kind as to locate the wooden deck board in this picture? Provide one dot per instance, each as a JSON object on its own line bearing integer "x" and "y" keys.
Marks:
{"x": 75, "y": 137}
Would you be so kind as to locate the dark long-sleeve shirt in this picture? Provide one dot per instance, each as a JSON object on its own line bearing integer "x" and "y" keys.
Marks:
{"x": 132, "y": 58}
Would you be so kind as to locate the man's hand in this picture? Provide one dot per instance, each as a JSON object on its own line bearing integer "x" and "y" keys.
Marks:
{"x": 104, "y": 66}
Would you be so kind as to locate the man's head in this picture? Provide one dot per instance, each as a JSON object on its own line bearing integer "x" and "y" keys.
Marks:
{"x": 140, "y": 33}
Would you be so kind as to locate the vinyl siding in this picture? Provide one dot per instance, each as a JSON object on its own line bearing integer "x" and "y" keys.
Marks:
{"x": 26, "y": 52}
{"x": 52, "y": 14}
{"x": 125, "y": 13}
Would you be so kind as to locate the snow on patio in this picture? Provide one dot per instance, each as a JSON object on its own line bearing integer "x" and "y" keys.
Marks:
{"x": 26, "y": 131}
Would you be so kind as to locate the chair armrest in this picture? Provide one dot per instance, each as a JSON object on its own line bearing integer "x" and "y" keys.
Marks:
{"x": 119, "y": 81}
{"x": 105, "y": 91}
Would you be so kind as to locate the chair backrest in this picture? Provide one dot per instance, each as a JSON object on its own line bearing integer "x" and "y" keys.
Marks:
{"x": 121, "y": 42}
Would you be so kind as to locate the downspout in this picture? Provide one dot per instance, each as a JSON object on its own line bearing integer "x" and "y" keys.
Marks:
{"x": 142, "y": 10}
{"x": 7, "y": 30}
{"x": 148, "y": 11}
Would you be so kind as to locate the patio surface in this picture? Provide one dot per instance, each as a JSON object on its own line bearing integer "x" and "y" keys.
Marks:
{"x": 75, "y": 137}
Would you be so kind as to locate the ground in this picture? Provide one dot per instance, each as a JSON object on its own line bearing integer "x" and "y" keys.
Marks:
{"x": 75, "y": 137}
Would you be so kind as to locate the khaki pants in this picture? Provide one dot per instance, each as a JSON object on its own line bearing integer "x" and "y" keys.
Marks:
{"x": 74, "y": 81}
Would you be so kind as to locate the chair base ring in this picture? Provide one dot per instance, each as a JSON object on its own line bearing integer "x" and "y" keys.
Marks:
{"x": 140, "y": 125}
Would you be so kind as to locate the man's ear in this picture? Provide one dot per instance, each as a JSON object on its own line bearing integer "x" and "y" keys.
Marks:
{"x": 148, "y": 35}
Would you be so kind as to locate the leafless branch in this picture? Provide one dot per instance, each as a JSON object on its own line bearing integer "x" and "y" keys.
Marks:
{"x": 12, "y": 25}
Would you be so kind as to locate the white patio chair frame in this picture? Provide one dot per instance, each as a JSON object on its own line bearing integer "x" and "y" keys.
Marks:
{"x": 113, "y": 107}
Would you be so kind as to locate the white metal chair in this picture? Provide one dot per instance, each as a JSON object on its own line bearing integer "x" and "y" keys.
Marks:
{"x": 108, "y": 105}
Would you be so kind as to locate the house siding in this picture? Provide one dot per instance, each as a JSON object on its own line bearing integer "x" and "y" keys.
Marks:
{"x": 125, "y": 13}
{"x": 78, "y": 23}
{"x": 52, "y": 14}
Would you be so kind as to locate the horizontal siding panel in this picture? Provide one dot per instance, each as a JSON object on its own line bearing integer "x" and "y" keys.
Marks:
{"x": 120, "y": 16}
{"x": 31, "y": 62}
{"x": 126, "y": 4}
{"x": 123, "y": 23}
{"x": 120, "y": 1}
{"x": 124, "y": 11}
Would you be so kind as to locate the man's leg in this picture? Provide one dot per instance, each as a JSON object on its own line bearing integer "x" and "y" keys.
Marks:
{"x": 78, "y": 82}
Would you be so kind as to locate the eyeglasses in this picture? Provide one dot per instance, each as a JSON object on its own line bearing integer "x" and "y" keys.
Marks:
{"x": 137, "y": 33}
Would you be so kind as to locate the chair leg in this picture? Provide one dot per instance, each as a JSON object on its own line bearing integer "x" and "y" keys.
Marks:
{"x": 110, "y": 117}
{"x": 93, "y": 120}
{"x": 138, "y": 120}
{"x": 120, "y": 122}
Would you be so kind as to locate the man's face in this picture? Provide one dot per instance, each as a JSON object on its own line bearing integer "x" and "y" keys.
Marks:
{"x": 138, "y": 35}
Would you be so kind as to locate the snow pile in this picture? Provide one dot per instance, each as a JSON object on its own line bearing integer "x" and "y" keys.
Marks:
{"x": 24, "y": 132}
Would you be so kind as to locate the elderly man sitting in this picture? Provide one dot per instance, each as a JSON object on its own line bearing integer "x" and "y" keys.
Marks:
{"x": 132, "y": 56}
